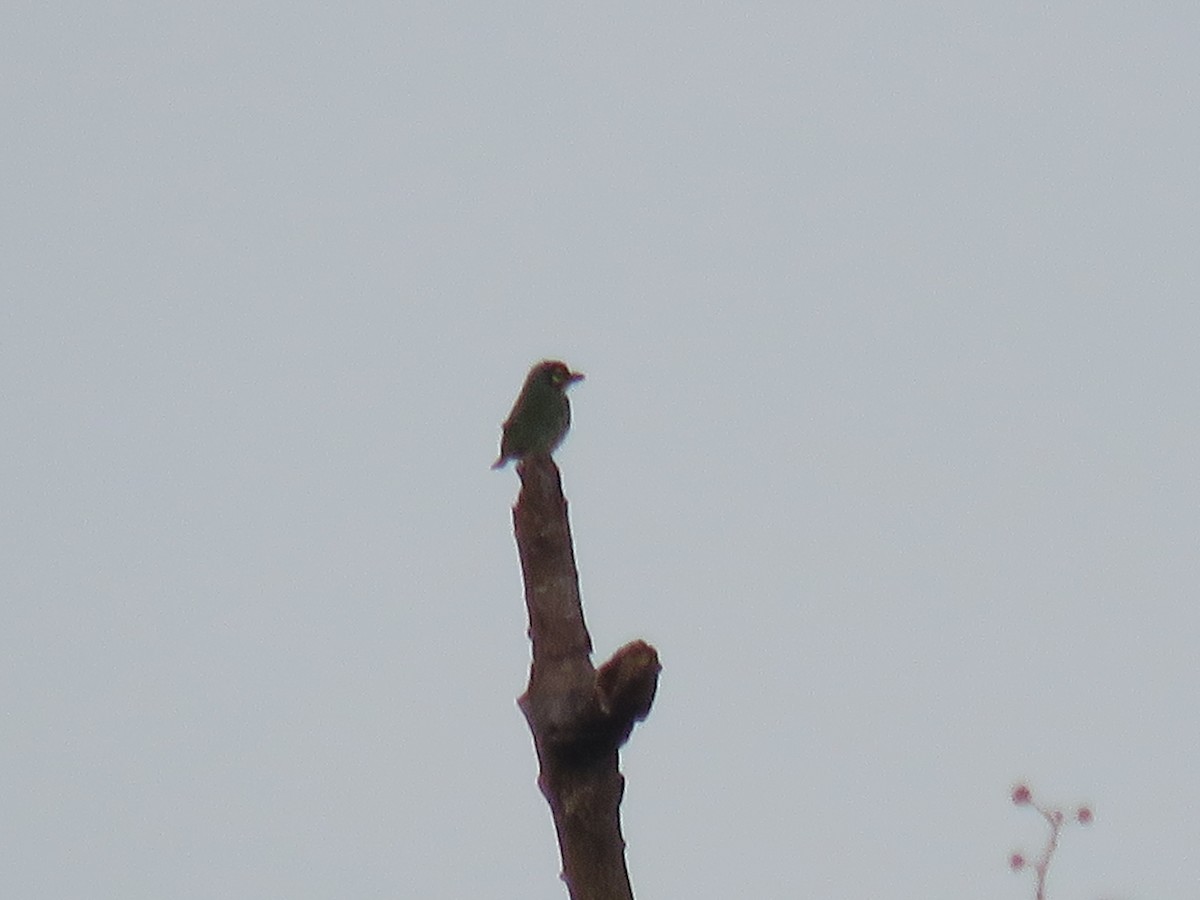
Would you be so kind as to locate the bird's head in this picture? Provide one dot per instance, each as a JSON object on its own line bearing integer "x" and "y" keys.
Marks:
{"x": 556, "y": 374}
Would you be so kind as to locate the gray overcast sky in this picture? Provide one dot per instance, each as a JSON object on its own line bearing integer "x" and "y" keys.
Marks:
{"x": 889, "y": 440}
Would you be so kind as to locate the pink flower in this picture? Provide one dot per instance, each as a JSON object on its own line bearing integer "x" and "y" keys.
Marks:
{"x": 1084, "y": 815}
{"x": 1017, "y": 861}
{"x": 1021, "y": 795}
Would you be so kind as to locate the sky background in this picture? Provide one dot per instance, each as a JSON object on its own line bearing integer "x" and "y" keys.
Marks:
{"x": 888, "y": 442}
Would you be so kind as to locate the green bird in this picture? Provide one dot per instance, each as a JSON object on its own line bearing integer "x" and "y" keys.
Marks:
{"x": 542, "y": 414}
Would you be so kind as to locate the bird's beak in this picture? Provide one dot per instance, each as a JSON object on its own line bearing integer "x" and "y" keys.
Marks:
{"x": 574, "y": 376}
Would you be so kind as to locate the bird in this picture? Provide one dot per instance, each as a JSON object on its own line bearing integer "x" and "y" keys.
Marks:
{"x": 541, "y": 414}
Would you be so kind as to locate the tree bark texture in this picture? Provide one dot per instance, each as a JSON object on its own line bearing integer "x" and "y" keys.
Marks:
{"x": 579, "y": 715}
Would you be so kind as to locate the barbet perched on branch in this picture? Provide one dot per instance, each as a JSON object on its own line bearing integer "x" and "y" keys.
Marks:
{"x": 542, "y": 414}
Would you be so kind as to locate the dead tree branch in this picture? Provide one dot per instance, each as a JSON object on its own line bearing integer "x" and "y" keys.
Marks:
{"x": 579, "y": 716}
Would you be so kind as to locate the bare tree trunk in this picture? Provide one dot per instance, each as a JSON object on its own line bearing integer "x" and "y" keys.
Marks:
{"x": 579, "y": 715}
